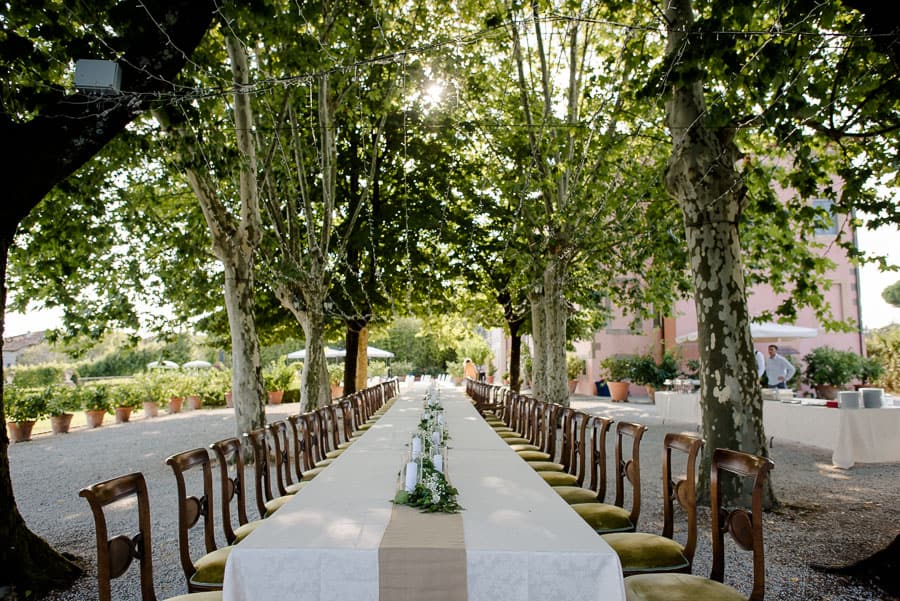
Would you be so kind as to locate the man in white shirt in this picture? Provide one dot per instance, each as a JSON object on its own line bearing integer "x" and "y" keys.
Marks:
{"x": 760, "y": 364}
{"x": 778, "y": 369}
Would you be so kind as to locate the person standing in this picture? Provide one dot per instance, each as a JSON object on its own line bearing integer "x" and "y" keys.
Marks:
{"x": 760, "y": 364}
{"x": 778, "y": 369}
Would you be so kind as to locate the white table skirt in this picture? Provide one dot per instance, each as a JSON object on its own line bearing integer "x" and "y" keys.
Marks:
{"x": 523, "y": 542}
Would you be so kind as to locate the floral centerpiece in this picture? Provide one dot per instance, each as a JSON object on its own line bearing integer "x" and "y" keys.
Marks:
{"x": 425, "y": 483}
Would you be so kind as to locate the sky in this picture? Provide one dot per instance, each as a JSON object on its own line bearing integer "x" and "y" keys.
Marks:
{"x": 875, "y": 312}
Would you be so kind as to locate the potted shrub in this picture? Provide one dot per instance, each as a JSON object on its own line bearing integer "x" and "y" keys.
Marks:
{"x": 95, "y": 402}
{"x": 828, "y": 370}
{"x": 173, "y": 390}
{"x": 62, "y": 405}
{"x": 23, "y": 409}
{"x": 455, "y": 371}
{"x": 619, "y": 373}
{"x": 278, "y": 377}
{"x": 870, "y": 369}
{"x": 652, "y": 375}
{"x": 190, "y": 388}
{"x": 335, "y": 375}
{"x": 575, "y": 366}
{"x": 151, "y": 392}
{"x": 124, "y": 398}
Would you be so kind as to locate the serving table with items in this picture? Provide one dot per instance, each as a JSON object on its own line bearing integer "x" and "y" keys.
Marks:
{"x": 855, "y": 433}
{"x": 341, "y": 537}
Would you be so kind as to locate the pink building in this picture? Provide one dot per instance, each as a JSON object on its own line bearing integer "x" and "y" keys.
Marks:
{"x": 617, "y": 338}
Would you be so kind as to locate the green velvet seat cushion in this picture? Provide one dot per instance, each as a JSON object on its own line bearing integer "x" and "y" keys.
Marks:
{"x": 531, "y": 454}
{"x": 547, "y": 466}
{"x": 346, "y": 444}
{"x": 211, "y": 568}
{"x": 505, "y": 428}
{"x": 356, "y": 434}
{"x": 276, "y": 504}
{"x": 207, "y": 596}
{"x": 517, "y": 441}
{"x": 364, "y": 427}
{"x": 678, "y": 587}
{"x": 241, "y": 532}
{"x": 558, "y": 478}
{"x": 643, "y": 552}
{"x": 323, "y": 463}
{"x": 604, "y": 517}
{"x": 508, "y": 434}
{"x": 310, "y": 474}
{"x": 294, "y": 488}
{"x": 576, "y": 494}
{"x": 334, "y": 454}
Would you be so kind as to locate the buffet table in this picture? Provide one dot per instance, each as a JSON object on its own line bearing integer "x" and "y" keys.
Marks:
{"x": 853, "y": 435}
{"x": 519, "y": 540}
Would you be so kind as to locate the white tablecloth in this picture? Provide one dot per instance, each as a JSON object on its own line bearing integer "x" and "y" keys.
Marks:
{"x": 523, "y": 542}
{"x": 853, "y": 435}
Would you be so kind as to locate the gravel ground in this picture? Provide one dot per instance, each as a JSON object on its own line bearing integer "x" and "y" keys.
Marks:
{"x": 828, "y": 516}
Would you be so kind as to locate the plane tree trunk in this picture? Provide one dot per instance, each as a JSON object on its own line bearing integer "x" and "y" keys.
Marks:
{"x": 703, "y": 178}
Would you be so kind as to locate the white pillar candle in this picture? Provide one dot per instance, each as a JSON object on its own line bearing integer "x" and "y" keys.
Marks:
{"x": 412, "y": 476}
{"x": 416, "y": 446}
{"x": 436, "y": 437}
{"x": 438, "y": 462}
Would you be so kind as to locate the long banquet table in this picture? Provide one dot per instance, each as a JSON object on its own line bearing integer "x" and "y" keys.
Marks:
{"x": 522, "y": 541}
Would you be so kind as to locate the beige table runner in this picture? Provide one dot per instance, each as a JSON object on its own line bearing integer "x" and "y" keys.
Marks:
{"x": 422, "y": 557}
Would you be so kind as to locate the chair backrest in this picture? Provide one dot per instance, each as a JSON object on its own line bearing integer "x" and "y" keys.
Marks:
{"x": 301, "y": 444}
{"x": 114, "y": 555}
{"x": 281, "y": 442}
{"x": 192, "y": 508}
{"x": 346, "y": 418}
{"x": 258, "y": 440}
{"x": 596, "y": 471}
{"x": 745, "y": 527}
{"x": 228, "y": 455}
{"x": 684, "y": 491}
{"x": 629, "y": 470}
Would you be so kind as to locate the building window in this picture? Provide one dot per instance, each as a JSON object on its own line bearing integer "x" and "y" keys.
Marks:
{"x": 830, "y": 229}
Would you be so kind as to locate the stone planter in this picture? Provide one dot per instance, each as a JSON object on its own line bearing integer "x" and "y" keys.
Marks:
{"x": 275, "y": 397}
{"x": 827, "y": 392}
{"x": 337, "y": 391}
{"x": 651, "y": 392}
{"x": 175, "y": 404}
{"x": 194, "y": 402}
{"x": 151, "y": 408}
{"x": 123, "y": 415}
{"x": 59, "y": 424}
{"x": 20, "y": 431}
{"x": 618, "y": 391}
{"x": 94, "y": 417}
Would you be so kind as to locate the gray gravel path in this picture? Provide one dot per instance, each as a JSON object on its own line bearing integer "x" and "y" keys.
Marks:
{"x": 828, "y": 515}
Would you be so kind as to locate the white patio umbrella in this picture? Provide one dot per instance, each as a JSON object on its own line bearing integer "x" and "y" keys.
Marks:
{"x": 162, "y": 365}
{"x": 330, "y": 353}
{"x": 765, "y": 332}
{"x": 197, "y": 365}
{"x": 378, "y": 353}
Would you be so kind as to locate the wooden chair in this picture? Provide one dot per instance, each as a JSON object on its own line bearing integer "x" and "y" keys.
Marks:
{"x": 572, "y": 464}
{"x": 229, "y": 455}
{"x": 114, "y": 555}
{"x": 208, "y": 571}
{"x": 744, "y": 526}
{"x": 267, "y": 503}
{"x": 281, "y": 443}
{"x": 641, "y": 552}
{"x": 613, "y": 517}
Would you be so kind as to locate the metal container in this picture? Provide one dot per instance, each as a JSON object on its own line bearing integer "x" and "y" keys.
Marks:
{"x": 849, "y": 399}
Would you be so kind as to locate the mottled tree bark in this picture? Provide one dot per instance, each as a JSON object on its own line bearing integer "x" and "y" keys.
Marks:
{"x": 538, "y": 339}
{"x": 702, "y": 176}
{"x": 556, "y": 385}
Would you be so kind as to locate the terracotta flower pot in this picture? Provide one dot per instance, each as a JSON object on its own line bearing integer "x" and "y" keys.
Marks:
{"x": 151, "y": 408}
{"x": 60, "y": 423}
{"x": 194, "y": 402}
{"x": 20, "y": 431}
{"x": 229, "y": 400}
{"x": 618, "y": 391}
{"x": 94, "y": 417}
{"x": 827, "y": 391}
{"x": 337, "y": 391}
{"x": 651, "y": 392}
{"x": 175, "y": 404}
{"x": 275, "y": 397}
{"x": 123, "y": 415}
